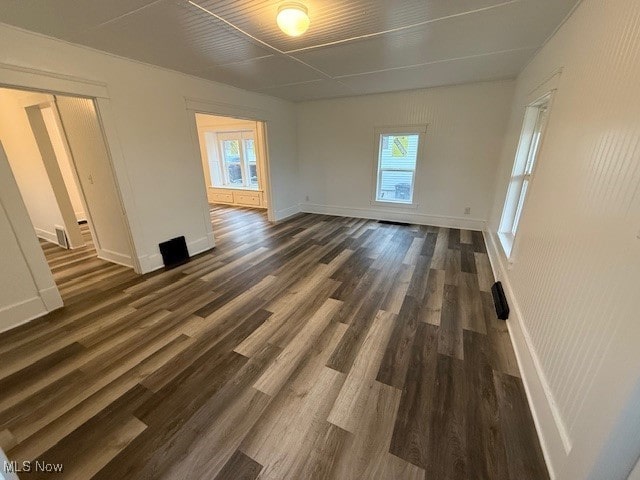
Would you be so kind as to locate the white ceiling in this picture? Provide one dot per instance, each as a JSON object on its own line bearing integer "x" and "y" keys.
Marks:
{"x": 352, "y": 46}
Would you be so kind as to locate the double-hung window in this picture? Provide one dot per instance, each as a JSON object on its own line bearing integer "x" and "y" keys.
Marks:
{"x": 235, "y": 165}
{"x": 523, "y": 168}
{"x": 399, "y": 152}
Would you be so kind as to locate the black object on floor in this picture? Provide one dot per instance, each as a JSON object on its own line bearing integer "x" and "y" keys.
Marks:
{"x": 500, "y": 301}
{"x": 391, "y": 222}
{"x": 174, "y": 252}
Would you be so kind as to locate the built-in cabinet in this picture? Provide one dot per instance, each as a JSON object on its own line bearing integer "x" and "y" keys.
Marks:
{"x": 230, "y": 196}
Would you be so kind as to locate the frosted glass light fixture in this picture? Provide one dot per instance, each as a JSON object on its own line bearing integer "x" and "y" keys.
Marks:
{"x": 293, "y": 19}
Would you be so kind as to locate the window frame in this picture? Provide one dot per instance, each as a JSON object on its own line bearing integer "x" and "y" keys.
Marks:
{"x": 241, "y": 136}
{"x": 530, "y": 144}
{"x": 421, "y": 131}
{"x": 224, "y": 165}
{"x": 248, "y": 162}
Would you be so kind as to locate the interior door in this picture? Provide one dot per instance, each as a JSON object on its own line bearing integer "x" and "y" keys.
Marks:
{"x": 92, "y": 162}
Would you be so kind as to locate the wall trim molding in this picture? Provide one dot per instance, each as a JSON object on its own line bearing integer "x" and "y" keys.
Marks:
{"x": 287, "y": 213}
{"x": 554, "y": 440}
{"x": 51, "y": 298}
{"x": 115, "y": 257}
{"x": 150, "y": 263}
{"x": 20, "y": 313}
{"x": 213, "y": 107}
{"x": 48, "y": 236}
{"x": 43, "y": 80}
{"x": 377, "y": 213}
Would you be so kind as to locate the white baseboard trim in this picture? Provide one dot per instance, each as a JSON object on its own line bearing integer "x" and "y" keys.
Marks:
{"x": 381, "y": 213}
{"x": 51, "y": 298}
{"x": 211, "y": 241}
{"x": 201, "y": 245}
{"x": 21, "y": 312}
{"x": 115, "y": 257}
{"x": 552, "y": 433}
{"x": 150, "y": 263}
{"x": 285, "y": 213}
{"x": 48, "y": 236}
{"x": 7, "y": 473}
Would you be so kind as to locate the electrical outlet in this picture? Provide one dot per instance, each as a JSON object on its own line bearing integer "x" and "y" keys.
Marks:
{"x": 467, "y": 211}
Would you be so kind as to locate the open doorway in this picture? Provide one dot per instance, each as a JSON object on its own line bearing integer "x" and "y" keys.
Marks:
{"x": 234, "y": 163}
{"x": 58, "y": 156}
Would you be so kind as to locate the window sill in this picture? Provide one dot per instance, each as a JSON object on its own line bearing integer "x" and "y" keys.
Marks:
{"x": 506, "y": 241}
{"x": 379, "y": 203}
{"x": 242, "y": 189}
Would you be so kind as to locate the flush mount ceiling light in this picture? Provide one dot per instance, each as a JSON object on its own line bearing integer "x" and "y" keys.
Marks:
{"x": 293, "y": 19}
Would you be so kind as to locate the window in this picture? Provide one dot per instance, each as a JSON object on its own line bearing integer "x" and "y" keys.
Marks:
{"x": 523, "y": 168}
{"x": 398, "y": 153}
{"x": 250, "y": 153}
{"x": 236, "y": 166}
{"x": 232, "y": 163}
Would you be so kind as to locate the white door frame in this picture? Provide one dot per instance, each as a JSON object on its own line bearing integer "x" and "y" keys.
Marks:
{"x": 194, "y": 106}
{"x": 12, "y": 76}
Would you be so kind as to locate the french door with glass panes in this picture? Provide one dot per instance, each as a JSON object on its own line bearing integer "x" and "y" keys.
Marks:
{"x": 239, "y": 162}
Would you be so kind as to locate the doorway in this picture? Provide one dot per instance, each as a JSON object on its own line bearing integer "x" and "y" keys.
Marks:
{"x": 234, "y": 162}
{"x": 60, "y": 162}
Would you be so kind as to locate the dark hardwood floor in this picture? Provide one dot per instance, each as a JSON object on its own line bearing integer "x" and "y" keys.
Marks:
{"x": 321, "y": 347}
{"x": 75, "y": 270}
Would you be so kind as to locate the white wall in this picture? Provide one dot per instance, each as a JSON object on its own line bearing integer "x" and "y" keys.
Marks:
{"x": 635, "y": 473}
{"x": 64, "y": 162}
{"x": 27, "y": 288}
{"x": 224, "y": 123}
{"x": 27, "y": 165}
{"x": 15, "y": 281}
{"x": 573, "y": 284}
{"x": 148, "y": 124}
{"x": 152, "y": 137}
{"x": 466, "y": 124}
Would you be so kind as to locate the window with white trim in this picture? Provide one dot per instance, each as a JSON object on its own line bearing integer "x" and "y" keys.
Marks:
{"x": 399, "y": 150}
{"x": 234, "y": 161}
{"x": 520, "y": 183}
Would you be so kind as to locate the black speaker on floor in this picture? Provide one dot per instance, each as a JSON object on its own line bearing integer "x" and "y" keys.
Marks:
{"x": 174, "y": 252}
{"x": 500, "y": 301}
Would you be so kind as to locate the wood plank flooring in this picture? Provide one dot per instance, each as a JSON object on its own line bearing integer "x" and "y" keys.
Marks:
{"x": 73, "y": 270}
{"x": 321, "y": 347}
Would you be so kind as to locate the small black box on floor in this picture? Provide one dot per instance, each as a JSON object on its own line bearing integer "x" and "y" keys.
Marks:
{"x": 174, "y": 252}
{"x": 500, "y": 301}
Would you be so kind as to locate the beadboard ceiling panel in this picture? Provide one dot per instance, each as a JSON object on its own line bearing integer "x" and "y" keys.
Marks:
{"x": 312, "y": 90}
{"x": 514, "y": 26}
{"x": 64, "y": 18}
{"x": 337, "y": 20}
{"x": 465, "y": 70}
{"x": 351, "y": 47}
{"x": 264, "y": 72}
{"x": 173, "y": 35}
